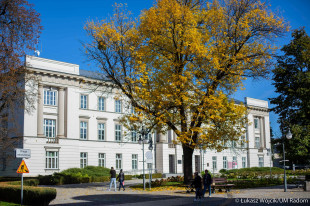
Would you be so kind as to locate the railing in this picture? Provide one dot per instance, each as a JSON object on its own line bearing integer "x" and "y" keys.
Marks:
{"x": 52, "y": 140}
{"x": 171, "y": 145}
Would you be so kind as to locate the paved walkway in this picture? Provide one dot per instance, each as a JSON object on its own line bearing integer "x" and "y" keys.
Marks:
{"x": 98, "y": 194}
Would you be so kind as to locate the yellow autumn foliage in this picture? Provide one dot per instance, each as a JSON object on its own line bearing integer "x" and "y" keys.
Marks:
{"x": 179, "y": 62}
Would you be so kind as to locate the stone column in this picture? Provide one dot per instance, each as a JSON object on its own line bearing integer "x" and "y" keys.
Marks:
{"x": 262, "y": 133}
{"x": 40, "y": 131}
{"x": 61, "y": 113}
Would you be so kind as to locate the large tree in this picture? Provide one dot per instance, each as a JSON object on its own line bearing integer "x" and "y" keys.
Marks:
{"x": 179, "y": 62}
{"x": 292, "y": 82}
{"x": 19, "y": 32}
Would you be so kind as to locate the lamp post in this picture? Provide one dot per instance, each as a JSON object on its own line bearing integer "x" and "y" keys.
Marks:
{"x": 142, "y": 140}
{"x": 288, "y": 136}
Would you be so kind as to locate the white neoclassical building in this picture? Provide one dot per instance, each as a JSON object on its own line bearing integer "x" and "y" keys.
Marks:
{"x": 74, "y": 123}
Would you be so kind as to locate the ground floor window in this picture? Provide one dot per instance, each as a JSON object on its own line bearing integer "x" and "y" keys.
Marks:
{"x": 243, "y": 162}
{"x": 101, "y": 160}
{"x": 83, "y": 159}
{"x": 235, "y": 163}
{"x": 214, "y": 163}
{"x": 225, "y": 162}
{"x": 51, "y": 160}
{"x": 134, "y": 161}
{"x": 261, "y": 161}
{"x": 118, "y": 161}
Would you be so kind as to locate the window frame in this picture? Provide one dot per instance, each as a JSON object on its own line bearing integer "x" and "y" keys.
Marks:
{"x": 101, "y": 104}
{"x": 48, "y": 99}
{"x": 118, "y": 132}
{"x": 118, "y": 106}
{"x": 225, "y": 163}
{"x": 214, "y": 162}
{"x": 83, "y": 160}
{"x": 243, "y": 162}
{"x": 82, "y": 133}
{"x": 261, "y": 163}
{"x": 100, "y": 131}
{"x": 50, "y": 160}
{"x": 52, "y": 127}
{"x": 118, "y": 161}
{"x": 134, "y": 161}
{"x": 101, "y": 159}
{"x": 84, "y": 102}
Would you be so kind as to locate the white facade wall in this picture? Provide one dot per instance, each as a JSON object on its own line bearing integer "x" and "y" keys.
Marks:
{"x": 59, "y": 75}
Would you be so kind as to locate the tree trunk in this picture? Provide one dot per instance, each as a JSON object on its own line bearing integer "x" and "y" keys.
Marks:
{"x": 188, "y": 163}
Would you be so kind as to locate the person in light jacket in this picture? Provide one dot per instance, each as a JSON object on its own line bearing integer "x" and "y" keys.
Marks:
{"x": 113, "y": 178}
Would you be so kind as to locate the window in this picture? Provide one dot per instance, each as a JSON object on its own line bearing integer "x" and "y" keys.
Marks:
{"x": 234, "y": 163}
{"x": 118, "y": 106}
{"x": 118, "y": 132}
{"x": 49, "y": 127}
{"x": 243, "y": 162}
{"x": 134, "y": 136}
{"x": 101, "y": 128}
{"x": 214, "y": 163}
{"x": 83, "y": 130}
{"x": 134, "y": 161}
{"x": 101, "y": 160}
{"x": 118, "y": 161}
{"x": 257, "y": 142}
{"x": 83, "y": 159}
{"x": 83, "y": 101}
{"x": 224, "y": 162}
{"x": 101, "y": 104}
{"x": 256, "y": 123}
{"x": 261, "y": 161}
{"x": 50, "y": 97}
{"x": 51, "y": 160}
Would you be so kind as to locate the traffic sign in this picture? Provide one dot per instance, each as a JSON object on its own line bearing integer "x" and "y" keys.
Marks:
{"x": 22, "y": 168}
{"x": 22, "y": 153}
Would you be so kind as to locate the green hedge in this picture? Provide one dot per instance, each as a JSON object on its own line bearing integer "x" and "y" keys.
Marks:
{"x": 31, "y": 195}
{"x": 155, "y": 175}
{"x": 78, "y": 175}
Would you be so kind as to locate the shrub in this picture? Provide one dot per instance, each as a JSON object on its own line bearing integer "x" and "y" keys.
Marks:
{"x": 155, "y": 175}
{"x": 31, "y": 195}
{"x": 29, "y": 182}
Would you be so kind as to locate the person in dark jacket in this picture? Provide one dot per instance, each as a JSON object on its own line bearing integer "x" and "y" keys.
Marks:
{"x": 197, "y": 184}
{"x": 121, "y": 178}
{"x": 207, "y": 181}
{"x": 113, "y": 178}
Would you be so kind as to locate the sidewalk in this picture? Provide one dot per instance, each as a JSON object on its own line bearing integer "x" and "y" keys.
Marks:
{"x": 98, "y": 194}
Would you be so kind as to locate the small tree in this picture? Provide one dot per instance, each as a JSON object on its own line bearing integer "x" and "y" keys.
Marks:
{"x": 181, "y": 60}
{"x": 292, "y": 81}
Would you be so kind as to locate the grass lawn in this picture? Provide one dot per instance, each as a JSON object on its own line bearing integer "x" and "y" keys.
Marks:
{"x": 7, "y": 204}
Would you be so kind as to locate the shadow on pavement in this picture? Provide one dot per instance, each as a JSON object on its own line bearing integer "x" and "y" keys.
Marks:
{"x": 141, "y": 199}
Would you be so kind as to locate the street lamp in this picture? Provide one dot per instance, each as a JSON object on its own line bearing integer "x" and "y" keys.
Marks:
{"x": 143, "y": 140}
{"x": 288, "y": 136}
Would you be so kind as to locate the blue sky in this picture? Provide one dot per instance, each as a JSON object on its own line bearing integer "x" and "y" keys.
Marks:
{"x": 63, "y": 22}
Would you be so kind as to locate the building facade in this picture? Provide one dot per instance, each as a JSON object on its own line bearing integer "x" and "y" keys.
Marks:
{"x": 75, "y": 123}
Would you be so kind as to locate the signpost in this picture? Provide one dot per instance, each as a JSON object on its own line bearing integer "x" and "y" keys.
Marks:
{"x": 22, "y": 153}
{"x": 149, "y": 159}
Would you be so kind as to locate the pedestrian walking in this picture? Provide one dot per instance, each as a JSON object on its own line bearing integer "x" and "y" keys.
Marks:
{"x": 207, "y": 181}
{"x": 113, "y": 178}
{"x": 121, "y": 178}
{"x": 197, "y": 184}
